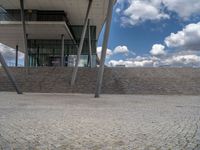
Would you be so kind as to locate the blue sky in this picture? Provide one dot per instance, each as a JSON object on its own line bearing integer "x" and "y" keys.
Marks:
{"x": 145, "y": 27}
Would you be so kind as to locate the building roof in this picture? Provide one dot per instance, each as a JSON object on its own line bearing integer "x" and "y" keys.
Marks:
{"x": 11, "y": 33}
{"x": 74, "y": 9}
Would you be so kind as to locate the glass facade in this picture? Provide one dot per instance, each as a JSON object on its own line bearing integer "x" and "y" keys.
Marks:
{"x": 48, "y": 52}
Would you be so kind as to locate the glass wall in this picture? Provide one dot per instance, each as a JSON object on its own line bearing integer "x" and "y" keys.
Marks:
{"x": 48, "y": 52}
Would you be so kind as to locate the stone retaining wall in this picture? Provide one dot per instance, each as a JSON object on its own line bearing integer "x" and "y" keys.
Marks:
{"x": 116, "y": 80}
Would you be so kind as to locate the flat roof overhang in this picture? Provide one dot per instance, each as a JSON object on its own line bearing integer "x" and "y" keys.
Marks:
{"x": 11, "y": 33}
{"x": 74, "y": 9}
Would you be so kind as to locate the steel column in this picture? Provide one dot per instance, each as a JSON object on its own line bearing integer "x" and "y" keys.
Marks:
{"x": 90, "y": 43}
{"x": 63, "y": 51}
{"x": 74, "y": 74}
{"x": 24, "y": 32}
{"x": 104, "y": 48}
{"x": 71, "y": 35}
{"x": 12, "y": 79}
{"x": 38, "y": 56}
{"x": 16, "y": 56}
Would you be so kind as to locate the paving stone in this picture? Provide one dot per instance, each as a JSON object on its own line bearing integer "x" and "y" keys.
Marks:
{"x": 79, "y": 121}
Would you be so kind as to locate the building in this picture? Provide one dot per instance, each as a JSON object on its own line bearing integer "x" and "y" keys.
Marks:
{"x": 47, "y": 22}
{"x": 54, "y": 33}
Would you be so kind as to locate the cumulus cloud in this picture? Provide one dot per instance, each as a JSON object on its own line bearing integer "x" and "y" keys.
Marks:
{"x": 184, "y": 8}
{"x": 134, "y": 62}
{"x": 121, "y": 49}
{"x": 139, "y": 11}
{"x": 108, "y": 54}
{"x": 183, "y": 60}
{"x": 176, "y": 60}
{"x": 9, "y": 53}
{"x": 188, "y": 38}
{"x": 142, "y": 10}
{"x": 118, "y": 10}
{"x": 158, "y": 50}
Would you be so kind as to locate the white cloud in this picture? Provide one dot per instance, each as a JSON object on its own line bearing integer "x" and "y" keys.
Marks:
{"x": 118, "y": 10}
{"x": 135, "y": 62}
{"x": 184, "y": 8}
{"x": 121, "y": 49}
{"x": 118, "y": 50}
{"x": 178, "y": 60}
{"x": 158, "y": 50}
{"x": 108, "y": 54}
{"x": 183, "y": 60}
{"x": 142, "y": 63}
{"x": 114, "y": 63}
{"x": 188, "y": 38}
{"x": 139, "y": 11}
{"x": 142, "y": 10}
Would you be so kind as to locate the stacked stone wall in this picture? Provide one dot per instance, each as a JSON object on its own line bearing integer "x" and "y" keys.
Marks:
{"x": 164, "y": 81}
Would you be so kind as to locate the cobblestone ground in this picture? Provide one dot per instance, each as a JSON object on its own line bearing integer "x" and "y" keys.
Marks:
{"x": 59, "y": 121}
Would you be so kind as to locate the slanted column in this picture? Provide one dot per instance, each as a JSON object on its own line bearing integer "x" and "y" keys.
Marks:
{"x": 24, "y": 32}
{"x": 16, "y": 56}
{"x": 63, "y": 51}
{"x": 12, "y": 79}
{"x": 104, "y": 48}
{"x": 90, "y": 44}
{"x": 74, "y": 74}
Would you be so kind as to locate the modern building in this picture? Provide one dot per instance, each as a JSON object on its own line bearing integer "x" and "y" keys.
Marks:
{"x": 54, "y": 32}
{"x": 47, "y": 22}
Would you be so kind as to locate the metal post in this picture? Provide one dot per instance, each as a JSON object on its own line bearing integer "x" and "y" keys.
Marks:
{"x": 104, "y": 48}
{"x": 24, "y": 32}
{"x": 38, "y": 56}
{"x": 90, "y": 43}
{"x": 63, "y": 51}
{"x": 74, "y": 74}
{"x": 16, "y": 56}
{"x": 12, "y": 79}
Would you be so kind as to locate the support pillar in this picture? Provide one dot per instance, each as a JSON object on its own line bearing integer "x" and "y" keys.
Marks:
{"x": 16, "y": 56}
{"x": 90, "y": 44}
{"x": 74, "y": 74}
{"x": 12, "y": 79}
{"x": 24, "y": 32}
{"x": 63, "y": 51}
{"x": 104, "y": 49}
{"x": 38, "y": 56}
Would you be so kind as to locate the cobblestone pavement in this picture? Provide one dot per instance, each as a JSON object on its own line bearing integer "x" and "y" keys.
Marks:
{"x": 67, "y": 121}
